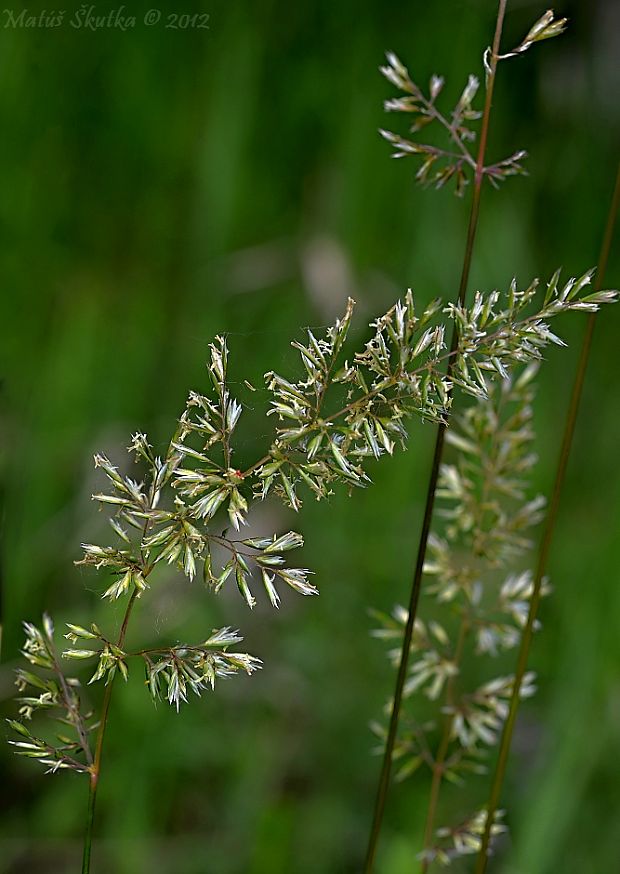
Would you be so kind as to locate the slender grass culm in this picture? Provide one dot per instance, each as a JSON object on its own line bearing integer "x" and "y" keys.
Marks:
{"x": 546, "y": 541}
{"x": 397, "y": 77}
{"x": 455, "y": 166}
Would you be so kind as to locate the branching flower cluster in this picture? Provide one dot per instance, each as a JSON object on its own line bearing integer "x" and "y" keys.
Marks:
{"x": 333, "y": 419}
{"x": 58, "y": 696}
{"x": 441, "y": 165}
{"x": 478, "y": 598}
{"x": 464, "y": 838}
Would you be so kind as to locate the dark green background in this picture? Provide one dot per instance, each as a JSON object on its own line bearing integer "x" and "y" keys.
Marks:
{"x": 159, "y": 186}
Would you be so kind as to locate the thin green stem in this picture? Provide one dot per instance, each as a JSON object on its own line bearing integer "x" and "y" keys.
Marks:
{"x": 440, "y": 759}
{"x": 438, "y": 770}
{"x": 545, "y": 545}
{"x": 95, "y": 768}
{"x": 442, "y": 750}
{"x": 90, "y": 819}
{"x": 384, "y": 778}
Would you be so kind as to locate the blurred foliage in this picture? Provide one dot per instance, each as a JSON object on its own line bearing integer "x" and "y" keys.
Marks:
{"x": 159, "y": 186}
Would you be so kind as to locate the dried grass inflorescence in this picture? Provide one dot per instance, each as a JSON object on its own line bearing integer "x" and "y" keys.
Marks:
{"x": 457, "y": 163}
{"x": 331, "y": 421}
{"x": 477, "y": 595}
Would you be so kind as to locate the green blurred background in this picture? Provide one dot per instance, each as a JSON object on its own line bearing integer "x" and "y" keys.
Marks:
{"x": 159, "y": 186}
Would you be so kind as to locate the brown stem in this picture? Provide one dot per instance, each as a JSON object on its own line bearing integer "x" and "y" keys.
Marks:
{"x": 95, "y": 768}
{"x": 108, "y": 691}
{"x": 414, "y": 597}
{"x": 545, "y": 545}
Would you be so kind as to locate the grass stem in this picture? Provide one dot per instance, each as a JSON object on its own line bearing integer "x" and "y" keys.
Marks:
{"x": 384, "y": 778}
{"x": 545, "y": 545}
{"x": 442, "y": 751}
{"x": 96, "y": 766}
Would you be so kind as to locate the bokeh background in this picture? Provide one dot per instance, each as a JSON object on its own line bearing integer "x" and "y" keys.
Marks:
{"x": 159, "y": 186}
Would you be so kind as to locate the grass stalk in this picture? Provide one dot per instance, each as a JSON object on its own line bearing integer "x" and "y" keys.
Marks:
{"x": 95, "y": 769}
{"x": 439, "y": 765}
{"x": 384, "y": 778}
{"x": 442, "y": 750}
{"x": 546, "y": 540}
